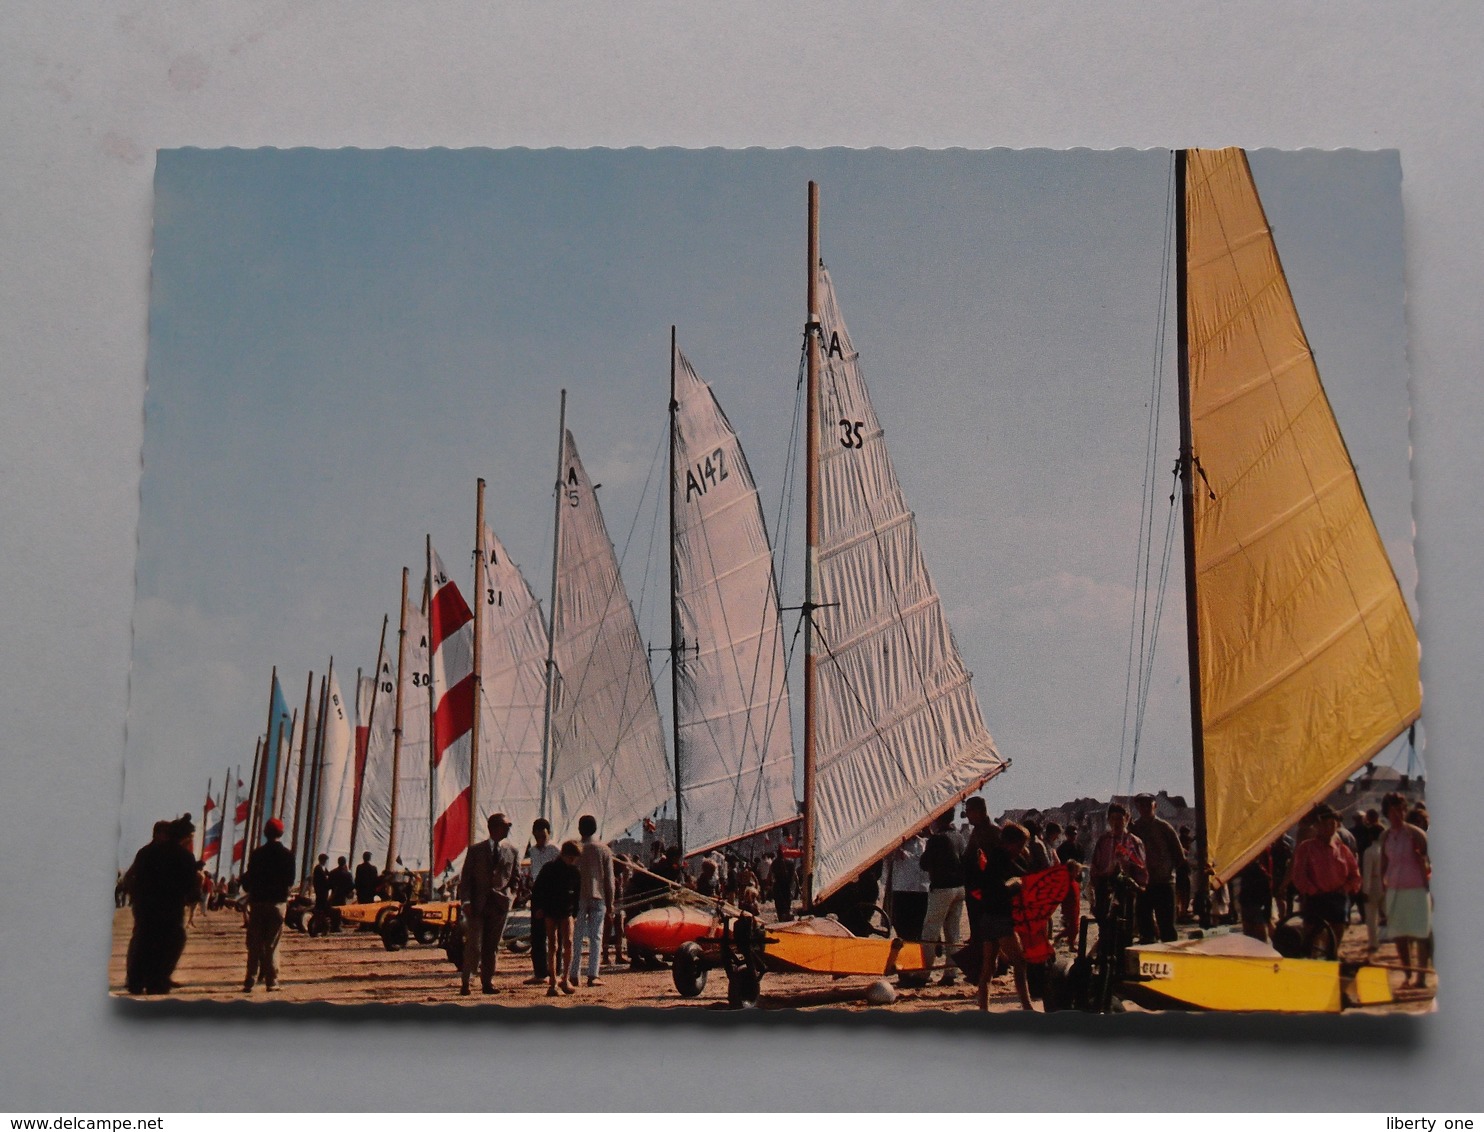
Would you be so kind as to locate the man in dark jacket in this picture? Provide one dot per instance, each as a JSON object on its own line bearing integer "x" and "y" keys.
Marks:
{"x": 1163, "y": 855}
{"x": 367, "y": 878}
{"x": 161, "y": 882}
{"x": 269, "y": 876}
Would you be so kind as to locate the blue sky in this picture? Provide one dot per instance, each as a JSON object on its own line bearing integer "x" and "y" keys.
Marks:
{"x": 342, "y": 341}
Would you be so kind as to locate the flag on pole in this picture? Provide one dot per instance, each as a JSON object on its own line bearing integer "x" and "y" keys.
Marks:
{"x": 451, "y": 640}
{"x": 212, "y": 845}
{"x": 210, "y": 805}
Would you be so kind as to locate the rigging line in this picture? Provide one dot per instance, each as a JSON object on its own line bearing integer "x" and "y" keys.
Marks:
{"x": 747, "y": 807}
{"x": 1147, "y": 676}
{"x": 788, "y": 492}
{"x": 880, "y": 438}
{"x": 1138, "y": 626}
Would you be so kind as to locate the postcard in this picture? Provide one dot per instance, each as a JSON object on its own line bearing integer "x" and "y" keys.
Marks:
{"x": 860, "y": 580}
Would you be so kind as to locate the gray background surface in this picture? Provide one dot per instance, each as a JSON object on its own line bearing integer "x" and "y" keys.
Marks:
{"x": 86, "y": 96}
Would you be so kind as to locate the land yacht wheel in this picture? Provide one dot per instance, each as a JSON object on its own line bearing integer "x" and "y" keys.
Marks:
{"x": 689, "y": 970}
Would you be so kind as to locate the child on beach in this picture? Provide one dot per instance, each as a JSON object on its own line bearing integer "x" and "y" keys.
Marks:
{"x": 554, "y": 898}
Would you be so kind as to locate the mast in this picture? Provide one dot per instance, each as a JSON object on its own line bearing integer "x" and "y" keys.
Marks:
{"x": 303, "y": 758}
{"x": 247, "y": 831}
{"x": 316, "y": 766}
{"x": 1187, "y": 506}
{"x": 432, "y": 723}
{"x": 281, "y": 792}
{"x": 479, "y": 596}
{"x": 391, "y": 836}
{"x": 355, "y": 813}
{"x": 205, "y": 814}
{"x": 556, "y": 545}
{"x": 222, "y": 842}
{"x": 676, "y": 644}
{"x": 269, "y": 799}
{"x": 811, "y": 505}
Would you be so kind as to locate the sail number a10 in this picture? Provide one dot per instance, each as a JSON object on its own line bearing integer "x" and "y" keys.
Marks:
{"x": 706, "y": 475}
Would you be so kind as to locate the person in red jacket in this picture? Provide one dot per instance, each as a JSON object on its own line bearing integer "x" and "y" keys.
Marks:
{"x": 1325, "y": 873}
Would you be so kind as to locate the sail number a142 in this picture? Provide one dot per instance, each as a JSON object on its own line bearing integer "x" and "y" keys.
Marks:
{"x": 706, "y": 474}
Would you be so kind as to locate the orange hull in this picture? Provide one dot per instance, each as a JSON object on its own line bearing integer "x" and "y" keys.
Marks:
{"x": 664, "y": 930}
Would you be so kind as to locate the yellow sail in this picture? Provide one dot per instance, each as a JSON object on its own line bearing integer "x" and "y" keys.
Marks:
{"x": 1308, "y": 656}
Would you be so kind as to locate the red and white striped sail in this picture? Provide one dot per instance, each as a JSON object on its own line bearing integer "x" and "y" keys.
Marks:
{"x": 513, "y": 702}
{"x": 451, "y": 639}
{"x": 239, "y": 824}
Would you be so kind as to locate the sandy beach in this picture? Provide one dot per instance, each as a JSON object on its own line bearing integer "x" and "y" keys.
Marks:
{"x": 353, "y": 967}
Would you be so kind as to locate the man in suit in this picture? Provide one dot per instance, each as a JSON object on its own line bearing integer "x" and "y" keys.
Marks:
{"x": 484, "y": 900}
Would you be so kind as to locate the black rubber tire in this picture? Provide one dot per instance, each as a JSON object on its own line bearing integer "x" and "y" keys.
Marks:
{"x": 425, "y": 934}
{"x": 689, "y": 970}
{"x": 1058, "y": 993}
{"x": 743, "y": 988}
{"x": 393, "y": 932}
{"x": 318, "y": 925}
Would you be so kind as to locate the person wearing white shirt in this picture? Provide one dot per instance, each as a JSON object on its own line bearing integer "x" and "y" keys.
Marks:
{"x": 541, "y": 854}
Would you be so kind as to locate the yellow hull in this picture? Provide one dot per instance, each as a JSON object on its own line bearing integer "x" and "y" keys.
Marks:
{"x": 843, "y": 954}
{"x": 366, "y": 915}
{"x": 1252, "y": 982}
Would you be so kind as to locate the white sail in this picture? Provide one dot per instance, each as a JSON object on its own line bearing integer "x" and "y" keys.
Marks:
{"x": 607, "y": 746}
{"x": 513, "y": 645}
{"x": 337, "y": 777}
{"x": 736, "y": 743}
{"x": 412, "y": 767}
{"x": 899, "y": 735}
{"x": 291, "y": 789}
{"x": 374, "y": 824}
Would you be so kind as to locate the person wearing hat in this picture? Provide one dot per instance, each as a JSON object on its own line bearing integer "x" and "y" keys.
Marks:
{"x": 1163, "y": 856}
{"x": 161, "y": 883}
{"x": 269, "y": 876}
{"x": 1325, "y": 873}
{"x": 489, "y": 873}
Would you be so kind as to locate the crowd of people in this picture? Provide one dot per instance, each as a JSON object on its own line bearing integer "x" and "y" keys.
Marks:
{"x": 951, "y": 887}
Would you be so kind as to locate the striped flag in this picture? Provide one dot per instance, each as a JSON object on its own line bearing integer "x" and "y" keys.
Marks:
{"x": 451, "y": 641}
{"x": 212, "y": 845}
